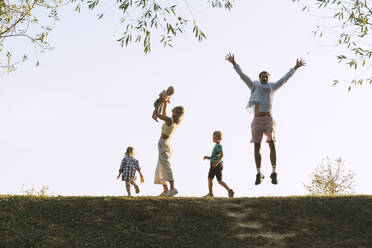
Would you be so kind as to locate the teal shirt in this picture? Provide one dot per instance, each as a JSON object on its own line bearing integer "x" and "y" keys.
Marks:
{"x": 216, "y": 154}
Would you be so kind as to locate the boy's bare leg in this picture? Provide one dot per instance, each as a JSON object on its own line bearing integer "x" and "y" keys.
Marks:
{"x": 223, "y": 184}
{"x": 171, "y": 184}
{"x": 210, "y": 186}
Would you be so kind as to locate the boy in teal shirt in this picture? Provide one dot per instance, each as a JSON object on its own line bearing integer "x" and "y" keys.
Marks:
{"x": 216, "y": 165}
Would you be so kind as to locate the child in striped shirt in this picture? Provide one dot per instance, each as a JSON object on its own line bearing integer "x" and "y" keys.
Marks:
{"x": 129, "y": 166}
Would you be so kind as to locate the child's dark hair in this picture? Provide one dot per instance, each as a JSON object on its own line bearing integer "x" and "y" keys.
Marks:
{"x": 170, "y": 90}
{"x": 130, "y": 151}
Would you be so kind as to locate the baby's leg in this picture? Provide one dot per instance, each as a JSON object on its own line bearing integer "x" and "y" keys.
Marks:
{"x": 161, "y": 106}
{"x": 156, "y": 105}
{"x": 154, "y": 115}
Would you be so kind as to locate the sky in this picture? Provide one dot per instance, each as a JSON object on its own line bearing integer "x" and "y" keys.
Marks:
{"x": 66, "y": 123}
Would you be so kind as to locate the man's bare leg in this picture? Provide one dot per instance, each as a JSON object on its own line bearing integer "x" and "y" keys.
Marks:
{"x": 258, "y": 159}
{"x": 272, "y": 154}
{"x": 273, "y": 175}
{"x": 257, "y": 156}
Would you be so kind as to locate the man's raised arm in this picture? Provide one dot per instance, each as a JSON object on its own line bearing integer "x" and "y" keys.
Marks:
{"x": 230, "y": 57}
{"x": 278, "y": 84}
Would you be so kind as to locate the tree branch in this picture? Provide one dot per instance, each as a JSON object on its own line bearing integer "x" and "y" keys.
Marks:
{"x": 19, "y": 20}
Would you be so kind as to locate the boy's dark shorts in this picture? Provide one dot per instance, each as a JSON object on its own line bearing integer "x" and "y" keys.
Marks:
{"x": 216, "y": 171}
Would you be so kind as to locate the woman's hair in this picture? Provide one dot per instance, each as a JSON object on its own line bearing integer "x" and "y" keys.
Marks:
{"x": 217, "y": 134}
{"x": 130, "y": 151}
{"x": 179, "y": 111}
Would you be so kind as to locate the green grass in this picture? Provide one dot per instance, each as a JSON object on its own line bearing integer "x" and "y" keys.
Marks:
{"x": 27, "y": 221}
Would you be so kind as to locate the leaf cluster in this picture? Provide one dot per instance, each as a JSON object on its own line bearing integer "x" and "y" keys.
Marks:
{"x": 19, "y": 21}
{"x": 141, "y": 18}
{"x": 33, "y": 20}
{"x": 352, "y": 23}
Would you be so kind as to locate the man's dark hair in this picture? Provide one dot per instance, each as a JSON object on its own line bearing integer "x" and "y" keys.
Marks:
{"x": 262, "y": 72}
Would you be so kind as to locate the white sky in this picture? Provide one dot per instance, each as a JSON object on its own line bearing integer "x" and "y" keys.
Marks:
{"x": 67, "y": 123}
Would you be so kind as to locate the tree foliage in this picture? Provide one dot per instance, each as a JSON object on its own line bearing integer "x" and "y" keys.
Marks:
{"x": 28, "y": 21}
{"x": 330, "y": 179}
{"x": 31, "y": 21}
{"x": 141, "y": 18}
{"x": 352, "y": 21}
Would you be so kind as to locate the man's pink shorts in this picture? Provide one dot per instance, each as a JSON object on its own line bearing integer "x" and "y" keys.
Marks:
{"x": 263, "y": 125}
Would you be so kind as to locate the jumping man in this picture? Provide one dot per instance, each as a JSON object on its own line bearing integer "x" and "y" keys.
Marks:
{"x": 260, "y": 101}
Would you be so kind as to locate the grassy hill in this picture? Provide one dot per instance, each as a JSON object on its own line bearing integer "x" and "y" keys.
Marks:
{"x": 27, "y": 221}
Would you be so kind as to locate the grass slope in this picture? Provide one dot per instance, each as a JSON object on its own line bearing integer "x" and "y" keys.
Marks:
{"x": 186, "y": 222}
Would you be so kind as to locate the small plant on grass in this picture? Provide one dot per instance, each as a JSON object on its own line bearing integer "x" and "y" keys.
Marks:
{"x": 330, "y": 179}
{"x": 33, "y": 192}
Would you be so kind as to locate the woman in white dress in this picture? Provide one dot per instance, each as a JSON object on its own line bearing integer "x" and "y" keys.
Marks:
{"x": 163, "y": 172}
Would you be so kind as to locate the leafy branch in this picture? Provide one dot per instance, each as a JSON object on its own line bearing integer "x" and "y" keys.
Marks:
{"x": 152, "y": 15}
{"x": 17, "y": 20}
{"x": 353, "y": 21}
